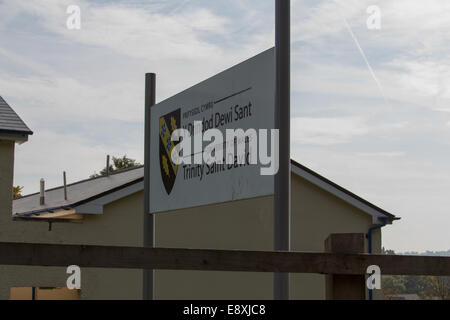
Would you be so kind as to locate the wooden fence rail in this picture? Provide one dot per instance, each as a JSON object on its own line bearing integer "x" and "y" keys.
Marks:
{"x": 218, "y": 260}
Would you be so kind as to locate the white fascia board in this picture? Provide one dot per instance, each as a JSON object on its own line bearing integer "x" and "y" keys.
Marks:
{"x": 18, "y": 138}
{"x": 338, "y": 193}
{"x": 96, "y": 206}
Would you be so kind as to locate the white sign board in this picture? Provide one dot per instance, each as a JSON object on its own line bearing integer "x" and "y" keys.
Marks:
{"x": 240, "y": 97}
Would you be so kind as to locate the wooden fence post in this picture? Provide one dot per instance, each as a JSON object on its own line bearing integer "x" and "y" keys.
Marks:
{"x": 345, "y": 287}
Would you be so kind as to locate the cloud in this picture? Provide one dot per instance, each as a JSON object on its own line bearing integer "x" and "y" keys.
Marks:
{"x": 326, "y": 131}
{"x": 82, "y": 91}
{"x": 381, "y": 154}
{"x": 48, "y": 153}
{"x": 323, "y": 19}
{"x": 426, "y": 84}
{"x": 131, "y": 30}
{"x": 407, "y": 187}
{"x": 61, "y": 96}
{"x": 404, "y": 23}
{"x": 424, "y": 24}
{"x": 337, "y": 130}
{"x": 326, "y": 78}
{"x": 71, "y": 85}
{"x": 137, "y": 39}
{"x": 409, "y": 54}
{"x": 425, "y": 80}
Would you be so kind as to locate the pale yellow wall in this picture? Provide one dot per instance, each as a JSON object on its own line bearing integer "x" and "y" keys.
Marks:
{"x": 26, "y": 293}
{"x": 246, "y": 225}
{"x": 239, "y": 225}
{"x": 315, "y": 215}
{"x": 6, "y": 178}
{"x": 249, "y": 225}
{"x": 119, "y": 225}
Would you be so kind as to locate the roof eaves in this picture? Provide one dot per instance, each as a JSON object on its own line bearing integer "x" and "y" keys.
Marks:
{"x": 38, "y": 212}
{"x": 7, "y": 131}
{"x": 78, "y": 203}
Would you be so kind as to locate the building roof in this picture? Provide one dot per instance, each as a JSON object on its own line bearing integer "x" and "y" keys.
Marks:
{"x": 78, "y": 193}
{"x": 89, "y": 196}
{"x": 10, "y": 122}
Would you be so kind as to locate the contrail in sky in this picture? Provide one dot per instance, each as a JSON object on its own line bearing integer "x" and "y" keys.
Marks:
{"x": 364, "y": 57}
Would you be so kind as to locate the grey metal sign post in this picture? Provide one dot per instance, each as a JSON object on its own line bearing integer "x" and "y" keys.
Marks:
{"x": 282, "y": 178}
{"x": 282, "y": 198}
{"x": 148, "y": 219}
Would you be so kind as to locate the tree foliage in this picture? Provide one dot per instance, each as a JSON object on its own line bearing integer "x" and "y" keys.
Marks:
{"x": 426, "y": 287}
{"x": 17, "y": 192}
{"x": 118, "y": 164}
{"x": 440, "y": 287}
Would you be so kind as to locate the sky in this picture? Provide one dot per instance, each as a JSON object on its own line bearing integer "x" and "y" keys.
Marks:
{"x": 370, "y": 107}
